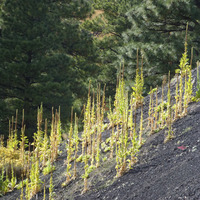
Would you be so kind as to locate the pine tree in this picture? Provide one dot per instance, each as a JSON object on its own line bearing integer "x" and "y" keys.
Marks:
{"x": 158, "y": 28}
{"x": 43, "y": 53}
{"x": 108, "y": 27}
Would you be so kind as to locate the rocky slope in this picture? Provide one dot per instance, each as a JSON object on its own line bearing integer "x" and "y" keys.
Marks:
{"x": 163, "y": 171}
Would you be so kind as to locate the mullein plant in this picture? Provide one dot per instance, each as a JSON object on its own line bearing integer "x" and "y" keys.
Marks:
{"x": 122, "y": 147}
{"x": 4, "y": 187}
{"x": 141, "y": 127}
{"x": 55, "y": 135}
{"x": 168, "y": 100}
{"x": 49, "y": 155}
{"x": 92, "y": 126}
{"x": 169, "y": 111}
{"x": 156, "y": 111}
{"x": 185, "y": 68}
{"x": 152, "y": 110}
{"x": 35, "y": 181}
{"x": 22, "y": 190}
{"x": 24, "y": 141}
{"x": 70, "y": 151}
{"x": 15, "y": 137}
{"x": 99, "y": 128}
{"x": 52, "y": 137}
{"x": 87, "y": 122}
{"x": 115, "y": 115}
{"x": 3, "y": 183}
{"x": 28, "y": 189}
{"x": 13, "y": 180}
{"x": 10, "y": 135}
{"x": 150, "y": 107}
{"x": 86, "y": 167}
{"x": 44, "y": 149}
{"x": 88, "y": 132}
{"x": 37, "y": 184}
{"x": 102, "y": 110}
{"x": 134, "y": 148}
{"x": 127, "y": 120}
{"x": 119, "y": 101}
{"x": 130, "y": 117}
{"x": 45, "y": 154}
{"x": 180, "y": 95}
{"x": 112, "y": 138}
{"x": 138, "y": 87}
{"x": 161, "y": 113}
{"x": 189, "y": 72}
{"x": 51, "y": 187}
{"x": 185, "y": 73}
{"x": 188, "y": 83}
{"x": 10, "y": 163}
{"x": 110, "y": 113}
{"x": 83, "y": 135}
{"x": 12, "y": 142}
{"x": 93, "y": 135}
{"x": 176, "y": 98}
{"x": 133, "y": 135}
{"x": 76, "y": 143}
{"x": 10, "y": 155}
{"x": 120, "y": 107}
{"x": 152, "y": 113}
{"x": 89, "y": 143}
{"x": 44, "y": 191}
{"x": 38, "y": 136}
{"x": 59, "y": 133}
{"x": 15, "y": 140}
{"x": 197, "y": 96}
{"x": 93, "y": 146}
{"x": 137, "y": 96}
{"x": 122, "y": 144}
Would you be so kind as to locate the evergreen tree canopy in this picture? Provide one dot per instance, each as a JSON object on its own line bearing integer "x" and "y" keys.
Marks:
{"x": 158, "y": 28}
{"x": 45, "y": 56}
{"x": 107, "y": 27}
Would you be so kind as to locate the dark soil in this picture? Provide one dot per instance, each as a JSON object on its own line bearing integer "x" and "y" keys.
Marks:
{"x": 163, "y": 171}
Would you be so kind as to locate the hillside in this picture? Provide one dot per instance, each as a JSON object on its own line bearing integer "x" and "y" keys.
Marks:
{"x": 163, "y": 171}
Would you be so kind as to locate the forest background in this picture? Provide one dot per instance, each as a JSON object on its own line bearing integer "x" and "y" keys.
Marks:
{"x": 50, "y": 50}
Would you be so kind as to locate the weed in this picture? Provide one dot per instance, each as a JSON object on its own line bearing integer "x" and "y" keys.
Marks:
{"x": 44, "y": 149}
{"x": 44, "y": 191}
{"x": 69, "y": 150}
{"x": 76, "y": 142}
{"x": 169, "y": 113}
{"x": 177, "y": 99}
{"x": 13, "y": 180}
{"x": 197, "y": 96}
{"x": 51, "y": 186}
{"x": 141, "y": 127}
{"x": 86, "y": 174}
{"x": 112, "y": 142}
{"x": 152, "y": 110}
{"x": 49, "y": 168}
{"x": 3, "y": 183}
{"x": 138, "y": 86}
